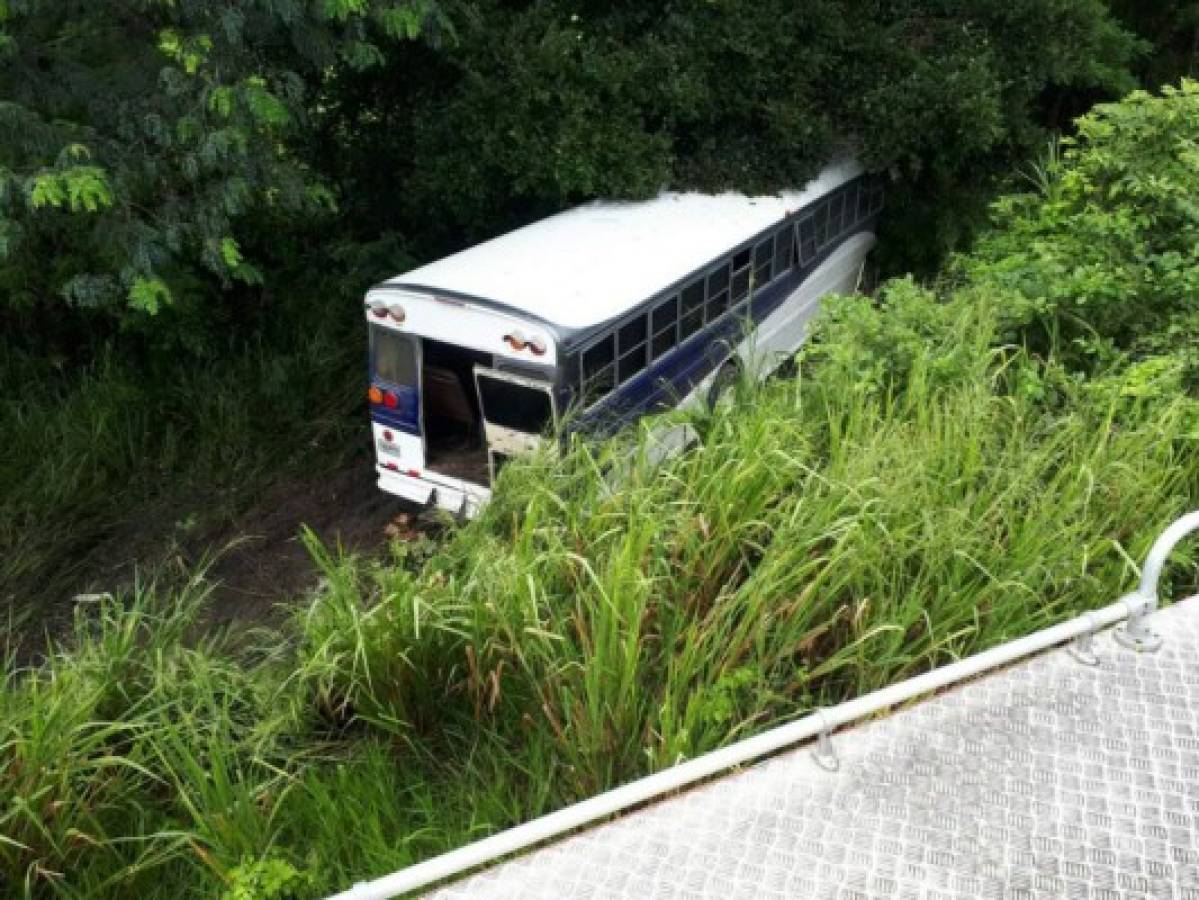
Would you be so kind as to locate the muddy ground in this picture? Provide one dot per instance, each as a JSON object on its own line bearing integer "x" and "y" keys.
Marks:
{"x": 260, "y": 560}
{"x": 249, "y": 545}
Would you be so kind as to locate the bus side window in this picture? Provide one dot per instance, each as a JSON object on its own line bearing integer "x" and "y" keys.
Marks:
{"x": 665, "y": 320}
{"x": 876, "y": 196}
{"x": 691, "y": 316}
{"x": 836, "y": 209}
{"x": 850, "y": 219}
{"x": 718, "y": 293}
{"x": 599, "y": 369}
{"x": 820, "y": 217}
{"x": 763, "y": 259}
{"x": 782, "y": 251}
{"x": 632, "y": 346}
{"x": 741, "y": 264}
{"x": 863, "y": 201}
{"x": 807, "y": 240}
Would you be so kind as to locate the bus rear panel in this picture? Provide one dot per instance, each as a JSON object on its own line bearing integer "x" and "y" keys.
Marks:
{"x": 446, "y": 406}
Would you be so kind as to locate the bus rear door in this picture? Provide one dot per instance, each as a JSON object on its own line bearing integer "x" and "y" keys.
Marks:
{"x": 518, "y": 414}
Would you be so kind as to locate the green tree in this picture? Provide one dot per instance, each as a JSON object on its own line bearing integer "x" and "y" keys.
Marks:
{"x": 148, "y": 158}
{"x": 191, "y": 162}
{"x": 1172, "y": 28}
{"x": 541, "y": 104}
{"x": 1102, "y": 259}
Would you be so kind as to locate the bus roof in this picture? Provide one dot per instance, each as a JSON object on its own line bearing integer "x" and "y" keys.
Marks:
{"x": 590, "y": 264}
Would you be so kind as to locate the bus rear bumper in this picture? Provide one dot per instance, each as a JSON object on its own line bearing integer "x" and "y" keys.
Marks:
{"x": 461, "y": 499}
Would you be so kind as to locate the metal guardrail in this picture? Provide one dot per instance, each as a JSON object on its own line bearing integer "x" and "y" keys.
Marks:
{"x": 1135, "y": 634}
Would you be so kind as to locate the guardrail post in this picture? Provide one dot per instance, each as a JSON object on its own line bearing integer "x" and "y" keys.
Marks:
{"x": 1083, "y": 647}
{"x": 823, "y": 752}
{"x": 1136, "y": 634}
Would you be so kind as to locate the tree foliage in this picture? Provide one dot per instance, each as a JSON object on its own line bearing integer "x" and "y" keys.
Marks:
{"x": 1102, "y": 258}
{"x": 196, "y": 163}
{"x": 1172, "y": 28}
{"x": 541, "y": 104}
{"x": 1095, "y": 270}
{"x": 149, "y": 143}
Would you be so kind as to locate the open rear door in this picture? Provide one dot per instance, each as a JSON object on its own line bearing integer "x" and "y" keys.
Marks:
{"x": 518, "y": 414}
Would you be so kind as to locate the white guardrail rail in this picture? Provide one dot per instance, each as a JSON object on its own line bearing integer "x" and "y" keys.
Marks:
{"x": 1133, "y": 610}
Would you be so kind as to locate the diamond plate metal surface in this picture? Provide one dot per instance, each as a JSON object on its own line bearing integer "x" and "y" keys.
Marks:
{"x": 1049, "y": 779}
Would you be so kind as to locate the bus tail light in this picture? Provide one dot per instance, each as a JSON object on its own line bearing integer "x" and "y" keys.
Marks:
{"x": 397, "y": 312}
{"x": 390, "y": 400}
{"x": 375, "y": 395}
{"x": 517, "y": 341}
{"x": 394, "y": 467}
{"x": 387, "y": 435}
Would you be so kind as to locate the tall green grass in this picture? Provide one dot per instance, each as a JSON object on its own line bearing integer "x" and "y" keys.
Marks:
{"x": 604, "y": 618}
{"x": 87, "y": 452}
{"x": 822, "y": 541}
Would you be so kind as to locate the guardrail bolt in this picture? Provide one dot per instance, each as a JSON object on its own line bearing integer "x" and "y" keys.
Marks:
{"x": 1136, "y": 635}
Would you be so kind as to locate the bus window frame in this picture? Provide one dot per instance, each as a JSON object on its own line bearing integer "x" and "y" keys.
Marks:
{"x": 764, "y": 249}
{"x": 783, "y": 246}
{"x": 724, "y": 269}
{"x": 587, "y": 399}
{"x": 786, "y": 243}
{"x": 638, "y": 345}
{"x": 417, "y": 355}
{"x": 672, "y": 327}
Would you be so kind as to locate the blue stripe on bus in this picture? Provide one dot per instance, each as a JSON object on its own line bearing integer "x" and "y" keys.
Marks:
{"x": 668, "y": 380}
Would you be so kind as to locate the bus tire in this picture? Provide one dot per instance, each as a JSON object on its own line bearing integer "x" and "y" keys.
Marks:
{"x": 725, "y": 381}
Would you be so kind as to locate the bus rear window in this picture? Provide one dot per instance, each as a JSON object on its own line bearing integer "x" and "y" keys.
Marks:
{"x": 393, "y": 357}
{"x": 514, "y": 406}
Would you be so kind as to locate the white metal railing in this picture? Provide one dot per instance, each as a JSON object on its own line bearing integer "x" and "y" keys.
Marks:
{"x": 1136, "y": 633}
{"x": 1135, "y": 607}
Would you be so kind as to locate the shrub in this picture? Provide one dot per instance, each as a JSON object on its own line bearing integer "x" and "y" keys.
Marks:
{"x": 1104, "y": 261}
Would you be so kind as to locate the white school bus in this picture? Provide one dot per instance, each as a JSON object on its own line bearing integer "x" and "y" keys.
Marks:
{"x": 602, "y": 314}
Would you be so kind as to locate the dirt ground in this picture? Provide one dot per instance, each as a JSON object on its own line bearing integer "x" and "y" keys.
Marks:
{"x": 251, "y": 546}
{"x": 261, "y": 562}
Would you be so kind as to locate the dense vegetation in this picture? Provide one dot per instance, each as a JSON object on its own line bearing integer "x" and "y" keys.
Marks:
{"x": 163, "y": 157}
{"x": 194, "y": 194}
{"x": 948, "y": 469}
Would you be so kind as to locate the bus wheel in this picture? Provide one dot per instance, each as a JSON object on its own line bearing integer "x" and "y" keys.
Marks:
{"x": 722, "y": 385}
